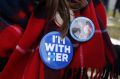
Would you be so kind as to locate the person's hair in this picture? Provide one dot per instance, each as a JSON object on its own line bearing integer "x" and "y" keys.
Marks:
{"x": 62, "y": 7}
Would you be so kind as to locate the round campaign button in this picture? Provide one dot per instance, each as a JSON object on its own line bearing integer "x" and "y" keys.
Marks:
{"x": 82, "y": 29}
{"x": 55, "y": 52}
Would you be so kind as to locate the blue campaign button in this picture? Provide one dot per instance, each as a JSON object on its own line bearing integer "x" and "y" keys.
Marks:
{"x": 54, "y": 51}
{"x": 82, "y": 29}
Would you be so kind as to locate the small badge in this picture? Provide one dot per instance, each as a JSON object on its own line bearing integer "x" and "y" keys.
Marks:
{"x": 54, "y": 51}
{"x": 82, "y": 29}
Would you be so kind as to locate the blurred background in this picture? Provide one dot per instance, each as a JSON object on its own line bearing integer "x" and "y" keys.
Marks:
{"x": 113, "y": 19}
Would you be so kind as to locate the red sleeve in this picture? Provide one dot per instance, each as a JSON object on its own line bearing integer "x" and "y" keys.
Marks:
{"x": 33, "y": 30}
{"x": 9, "y": 38}
{"x": 16, "y": 65}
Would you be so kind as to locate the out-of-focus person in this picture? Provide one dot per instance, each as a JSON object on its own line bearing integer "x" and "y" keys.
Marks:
{"x": 116, "y": 7}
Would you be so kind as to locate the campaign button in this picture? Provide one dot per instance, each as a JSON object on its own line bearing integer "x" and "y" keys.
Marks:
{"x": 82, "y": 29}
{"x": 55, "y": 52}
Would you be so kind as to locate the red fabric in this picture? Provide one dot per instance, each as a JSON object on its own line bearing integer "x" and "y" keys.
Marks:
{"x": 101, "y": 13}
{"x": 15, "y": 66}
{"x": 93, "y": 52}
{"x": 108, "y": 47}
{"x": 89, "y": 54}
{"x": 33, "y": 30}
{"x": 9, "y": 38}
{"x": 109, "y": 51}
{"x": 34, "y": 63}
{"x": 18, "y": 61}
{"x": 21, "y": 15}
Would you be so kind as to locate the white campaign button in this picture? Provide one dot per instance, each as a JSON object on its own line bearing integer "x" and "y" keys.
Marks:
{"x": 82, "y": 29}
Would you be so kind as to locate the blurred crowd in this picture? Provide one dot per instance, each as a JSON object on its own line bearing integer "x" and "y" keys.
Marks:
{"x": 113, "y": 12}
{"x": 116, "y": 6}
